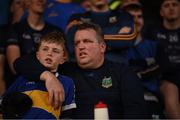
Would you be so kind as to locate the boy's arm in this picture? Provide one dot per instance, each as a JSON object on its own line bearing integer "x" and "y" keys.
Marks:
{"x": 30, "y": 67}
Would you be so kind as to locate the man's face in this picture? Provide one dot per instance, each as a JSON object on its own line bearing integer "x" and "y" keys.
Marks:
{"x": 16, "y": 6}
{"x": 138, "y": 18}
{"x": 37, "y": 6}
{"x": 89, "y": 52}
{"x": 50, "y": 55}
{"x": 170, "y": 9}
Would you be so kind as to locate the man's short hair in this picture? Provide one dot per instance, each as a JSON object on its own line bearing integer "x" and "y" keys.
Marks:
{"x": 93, "y": 26}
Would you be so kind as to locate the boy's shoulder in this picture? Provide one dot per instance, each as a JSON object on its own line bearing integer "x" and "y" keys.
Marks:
{"x": 64, "y": 78}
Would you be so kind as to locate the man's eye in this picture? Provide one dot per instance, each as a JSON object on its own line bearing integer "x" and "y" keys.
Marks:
{"x": 76, "y": 43}
{"x": 87, "y": 41}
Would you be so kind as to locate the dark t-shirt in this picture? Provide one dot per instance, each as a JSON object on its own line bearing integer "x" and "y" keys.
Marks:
{"x": 22, "y": 35}
{"x": 168, "y": 52}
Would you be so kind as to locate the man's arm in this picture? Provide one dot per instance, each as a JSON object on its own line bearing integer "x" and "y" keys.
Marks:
{"x": 30, "y": 67}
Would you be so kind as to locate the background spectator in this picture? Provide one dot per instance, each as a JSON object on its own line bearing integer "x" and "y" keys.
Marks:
{"x": 168, "y": 36}
{"x": 58, "y": 12}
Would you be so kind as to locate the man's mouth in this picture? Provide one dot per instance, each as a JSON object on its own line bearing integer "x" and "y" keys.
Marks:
{"x": 82, "y": 54}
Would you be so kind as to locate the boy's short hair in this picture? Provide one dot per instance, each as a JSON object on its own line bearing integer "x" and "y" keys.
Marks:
{"x": 53, "y": 37}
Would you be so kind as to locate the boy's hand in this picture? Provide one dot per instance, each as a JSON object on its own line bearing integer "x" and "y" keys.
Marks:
{"x": 55, "y": 89}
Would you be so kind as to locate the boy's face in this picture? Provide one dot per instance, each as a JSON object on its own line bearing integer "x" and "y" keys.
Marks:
{"x": 51, "y": 55}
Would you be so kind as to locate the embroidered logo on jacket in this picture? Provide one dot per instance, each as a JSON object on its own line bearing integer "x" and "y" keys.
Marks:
{"x": 107, "y": 82}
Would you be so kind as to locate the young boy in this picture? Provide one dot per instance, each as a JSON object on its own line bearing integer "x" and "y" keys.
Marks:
{"x": 50, "y": 53}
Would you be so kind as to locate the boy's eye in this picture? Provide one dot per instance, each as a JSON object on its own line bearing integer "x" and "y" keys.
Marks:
{"x": 56, "y": 51}
{"x": 45, "y": 49}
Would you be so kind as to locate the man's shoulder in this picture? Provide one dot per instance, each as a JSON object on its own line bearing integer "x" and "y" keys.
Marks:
{"x": 115, "y": 65}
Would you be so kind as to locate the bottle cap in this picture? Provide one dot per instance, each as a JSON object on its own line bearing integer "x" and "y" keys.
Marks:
{"x": 100, "y": 105}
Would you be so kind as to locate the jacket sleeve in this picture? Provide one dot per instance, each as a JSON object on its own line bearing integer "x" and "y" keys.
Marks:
{"x": 29, "y": 67}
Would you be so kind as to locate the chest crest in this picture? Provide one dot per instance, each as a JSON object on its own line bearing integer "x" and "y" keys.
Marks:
{"x": 107, "y": 82}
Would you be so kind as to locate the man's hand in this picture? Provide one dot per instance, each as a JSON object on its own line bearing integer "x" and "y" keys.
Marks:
{"x": 55, "y": 89}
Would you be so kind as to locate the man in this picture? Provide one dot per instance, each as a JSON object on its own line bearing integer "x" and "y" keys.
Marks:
{"x": 96, "y": 79}
{"x": 168, "y": 36}
{"x": 118, "y": 29}
{"x": 168, "y": 54}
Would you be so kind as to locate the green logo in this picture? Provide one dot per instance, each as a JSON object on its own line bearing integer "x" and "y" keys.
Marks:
{"x": 107, "y": 82}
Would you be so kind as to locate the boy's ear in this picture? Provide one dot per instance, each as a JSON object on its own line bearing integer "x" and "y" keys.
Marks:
{"x": 37, "y": 55}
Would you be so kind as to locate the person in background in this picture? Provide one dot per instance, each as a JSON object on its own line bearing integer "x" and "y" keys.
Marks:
{"x": 58, "y": 12}
{"x": 86, "y": 4}
{"x": 118, "y": 29}
{"x": 96, "y": 78}
{"x": 17, "y": 10}
{"x": 168, "y": 36}
{"x": 142, "y": 60}
{"x": 50, "y": 53}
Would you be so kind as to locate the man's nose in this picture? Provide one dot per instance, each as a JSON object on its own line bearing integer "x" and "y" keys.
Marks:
{"x": 81, "y": 45}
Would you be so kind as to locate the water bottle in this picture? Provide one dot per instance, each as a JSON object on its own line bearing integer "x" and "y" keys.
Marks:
{"x": 101, "y": 111}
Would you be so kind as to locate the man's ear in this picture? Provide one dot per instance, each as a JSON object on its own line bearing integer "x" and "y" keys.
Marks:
{"x": 103, "y": 47}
